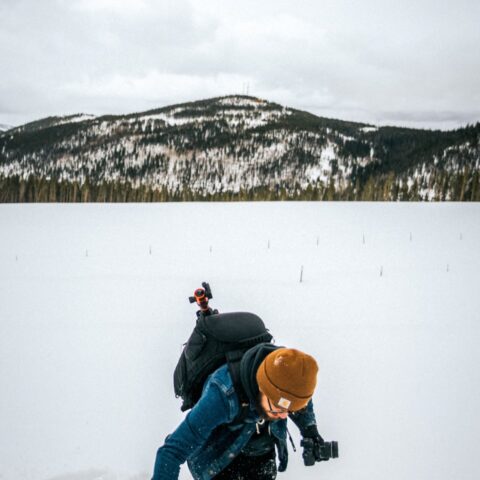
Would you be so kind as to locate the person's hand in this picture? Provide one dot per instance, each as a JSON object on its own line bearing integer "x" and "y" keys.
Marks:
{"x": 311, "y": 443}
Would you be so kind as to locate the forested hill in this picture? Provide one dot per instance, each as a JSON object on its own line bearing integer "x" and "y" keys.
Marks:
{"x": 233, "y": 148}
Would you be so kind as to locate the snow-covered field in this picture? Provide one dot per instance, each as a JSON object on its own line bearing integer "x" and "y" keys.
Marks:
{"x": 94, "y": 311}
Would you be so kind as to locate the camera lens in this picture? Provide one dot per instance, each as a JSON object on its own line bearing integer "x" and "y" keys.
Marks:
{"x": 334, "y": 449}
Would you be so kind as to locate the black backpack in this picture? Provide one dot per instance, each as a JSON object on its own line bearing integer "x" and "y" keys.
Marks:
{"x": 217, "y": 339}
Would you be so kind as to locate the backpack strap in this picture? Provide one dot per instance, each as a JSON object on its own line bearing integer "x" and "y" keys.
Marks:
{"x": 233, "y": 360}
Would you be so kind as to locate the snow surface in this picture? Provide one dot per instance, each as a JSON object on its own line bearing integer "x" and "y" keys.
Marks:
{"x": 94, "y": 311}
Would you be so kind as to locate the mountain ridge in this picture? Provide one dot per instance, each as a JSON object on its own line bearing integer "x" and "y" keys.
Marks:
{"x": 233, "y": 148}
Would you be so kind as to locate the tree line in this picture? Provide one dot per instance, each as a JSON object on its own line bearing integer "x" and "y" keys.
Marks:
{"x": 458, "y": 186}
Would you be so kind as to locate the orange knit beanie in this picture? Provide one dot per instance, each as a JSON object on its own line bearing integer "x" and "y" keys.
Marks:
{"x": 288, "y": 378}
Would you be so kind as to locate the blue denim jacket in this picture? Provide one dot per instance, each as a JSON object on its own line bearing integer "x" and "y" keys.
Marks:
{"x": 208, "y": 439}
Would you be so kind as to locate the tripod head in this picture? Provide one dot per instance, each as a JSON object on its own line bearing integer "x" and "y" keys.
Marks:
{"x": 201, "y": 296}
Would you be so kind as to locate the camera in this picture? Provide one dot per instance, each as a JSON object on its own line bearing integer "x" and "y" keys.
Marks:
{"x": 316, "y": 452}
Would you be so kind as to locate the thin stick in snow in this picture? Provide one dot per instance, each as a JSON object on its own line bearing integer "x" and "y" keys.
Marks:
{"x": 211, "y": 249}
{"x": 301, "y": 274}
{"x": 381, "y": 271}
{"x": 150, "y": 250}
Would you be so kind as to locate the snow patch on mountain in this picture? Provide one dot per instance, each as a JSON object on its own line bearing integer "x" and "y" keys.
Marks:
{"x": 235, "y": 118}
{"x": 242, "y": 101}
{"x": 76, "y": 118}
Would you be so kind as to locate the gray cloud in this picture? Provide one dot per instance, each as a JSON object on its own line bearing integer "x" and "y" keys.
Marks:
{"x": 409, "y": 63}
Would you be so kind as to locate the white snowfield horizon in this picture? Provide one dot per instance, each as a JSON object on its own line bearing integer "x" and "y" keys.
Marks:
{"x": 94, "y": 312}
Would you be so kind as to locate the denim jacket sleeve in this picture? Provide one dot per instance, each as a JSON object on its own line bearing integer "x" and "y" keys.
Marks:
{"x": 212, "y": 410}
{"x": 304, "y": 418}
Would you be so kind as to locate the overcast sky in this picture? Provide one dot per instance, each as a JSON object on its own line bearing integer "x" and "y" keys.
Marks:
{"x": 413, "y": 63}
